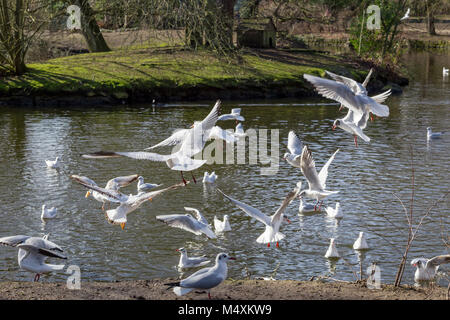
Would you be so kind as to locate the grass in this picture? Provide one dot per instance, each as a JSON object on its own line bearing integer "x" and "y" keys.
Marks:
{"x": 170, "y": 68}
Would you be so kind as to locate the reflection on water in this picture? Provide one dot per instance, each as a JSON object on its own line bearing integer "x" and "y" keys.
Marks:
{"x": 366, "y": 176}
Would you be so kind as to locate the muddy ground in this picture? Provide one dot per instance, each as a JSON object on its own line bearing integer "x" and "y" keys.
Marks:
{"x": 229, "y": 290}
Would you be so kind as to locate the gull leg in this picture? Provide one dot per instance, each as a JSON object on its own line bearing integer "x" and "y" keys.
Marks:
{"x": 268, "y": 245}
{"x": 371, "y": 117}
{"x": 315, "y": 206}
{"x": 182, "y": 178}
{"x": 278, "y": 245}
{"x": 36, "y": 277}
{"x": 193, "y": 178}
{"x": 209, "y": 296}
{"x": 356, "y": 141}
{"x": 103, "y": 206}
{"x": 320, "y": 204}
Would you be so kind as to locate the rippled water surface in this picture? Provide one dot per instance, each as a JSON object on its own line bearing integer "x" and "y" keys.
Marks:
{"x": 366, "y": 177}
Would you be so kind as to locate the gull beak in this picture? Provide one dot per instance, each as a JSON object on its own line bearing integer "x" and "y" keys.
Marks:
{"x": 150, "y": 199}
{"x": 232, "y": 258}
{"x": 177, "y": 250}
{"x": 122, "y": 225}
{"x": 192, "y": 126}
{"x": 415, "y": 265}
{"x": 334, "y": 127}
{"x": 88, "y": 194}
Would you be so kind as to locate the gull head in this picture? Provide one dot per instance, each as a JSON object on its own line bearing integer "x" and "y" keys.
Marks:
{"x": 301, "y": 194}
{"x": 223, "y": 258}
{"x": 141, "y": 178}
{"x": 419, "y": 262}
{"x": 225, "y": 217}
{"x": 336, "y": 123}
{"x": 286, "y": 155}
{"x": 429, "y": 129}
{"x": 181, "y": 250}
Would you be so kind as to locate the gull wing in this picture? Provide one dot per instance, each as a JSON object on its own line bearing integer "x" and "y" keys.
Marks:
{"x": 336, "y": 91}
{"x": 197, "y": 214}
{"x": 438, "y": 260}
{"x": 380, "y": 98}
{"x": 294, "y": 143}
{"x": 291, "y": 196}
{"x": 205, "y": 279}
{"x": 13, "y": 241}
{"x": 323, "y": 174}
{"x": 139, "y": 155}
{"x": 251, "y": 211}
{"x": 119, "y": 182}
{"x": 218, "y": 133}
{"x": 356, "y": 87}
{"x": 308, "y": 168}
{"x": 106, "y": 192}
{"x": 39, "y": 250}
{"x": 176, "y": 138}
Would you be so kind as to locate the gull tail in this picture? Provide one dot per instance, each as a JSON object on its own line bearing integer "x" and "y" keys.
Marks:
{"x": 269, "y": 236}
{"x": 179, "y": 291}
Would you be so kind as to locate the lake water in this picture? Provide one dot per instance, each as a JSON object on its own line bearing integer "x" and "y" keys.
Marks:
{"x": 366, "y": 177}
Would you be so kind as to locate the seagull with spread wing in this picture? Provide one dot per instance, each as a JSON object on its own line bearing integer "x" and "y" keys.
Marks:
{"x": 188, "y": 141}
{"x": 33, "y": 251}
{"x": 427, "y": 268}
{"x": 272, "y": 223}
{"x": 316, "y": 182}
{"x": 295, "y": 150}
{"x": 128, "y": 203}
{"x": 198, "y": 225}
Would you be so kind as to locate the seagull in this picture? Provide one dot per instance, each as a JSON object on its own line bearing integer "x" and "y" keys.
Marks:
{"x": 188, "y": 222}
{"x": 48, "y": 213}
{"x": 204, "y": 279}
{"x": 445, "y": 71}
{"x": 128, "y": 203}
{"x": 222, "y": 226}
{"x": 433, "y": 135}
{"x": 332, "y": 251}
{"x": 234, "y": 115}
{"x": 406, "y": 16}
{"x": 190, "y": 262}
{"x": 306, "y": 207}
{"x": 113, "y": 184}
{"x": 427, "y": 268}
{"x": 335, "y": 212}
{"x": 33, "y": 251}
{"x": 295, "y": 148}
{"x": 190, "y": 142}
{"x": 350, "y": 93}
{"x": 143, "y": 187}
{"x": 360, "y": 243}
{"x": 239, "y": 131}
{"x": 316, "y": 182}
{"x": 271, "y": 234}
{"x": 54, "y": 164}
{"x": 209, "y": 178}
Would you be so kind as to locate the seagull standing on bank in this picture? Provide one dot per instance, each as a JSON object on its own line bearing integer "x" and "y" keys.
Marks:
{"x": 272, "y": 223}
{"x": 190, "y": 262}
{"x": 295, "y": 150}
{"x": 427, "y": 268}
{"x": 204, "y": 279}
{"x": 188, "y": 141}
{"x": 33, "y": 251}
{"x": 189, "y": 223}
{"x": 316, "y": 182}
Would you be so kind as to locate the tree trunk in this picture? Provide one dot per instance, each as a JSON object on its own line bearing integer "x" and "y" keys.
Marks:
{"x": 89, "y": 28}
{"x": 430, "y": 19}
{"x": 228, "y": 16}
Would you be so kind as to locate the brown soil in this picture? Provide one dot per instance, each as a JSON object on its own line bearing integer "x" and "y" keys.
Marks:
{"x": 229, "y": 290}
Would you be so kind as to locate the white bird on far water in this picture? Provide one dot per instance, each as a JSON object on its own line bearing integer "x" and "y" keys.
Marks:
{"x": 49, "y": 213}
{"x": 272, "y": 223}
{"x": 295, "y": 150}
{"x": 406, "y": 16}
{"x": 190, "y": 262}
{"x": 433, "y": 135}
{"x": 316, "y": 182}
{"x": 234, "y": 115}
{"x": 427, "y": 268}
{"x": 209, "y": 178}
{"x": 33, "y": 251}
{"x": 143, "y": 187}
{"x": 445, "y": 71}
{"x": 54, "y": 164}
{"x": 189, "y": 223}
{"x": 360, "y": 243}
{"x": 306, "y": 207}
{"x": 332, "y": 251}
{"x": 335, "y": 212}
{"x": 221, "y": 226}
{"x": 204, "y": 279}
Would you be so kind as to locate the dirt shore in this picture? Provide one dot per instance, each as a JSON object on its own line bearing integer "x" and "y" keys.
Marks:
{"x": 229, "y": 290}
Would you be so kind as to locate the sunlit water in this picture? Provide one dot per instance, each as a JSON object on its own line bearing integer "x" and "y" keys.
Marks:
{"x": 366, "y": 177}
